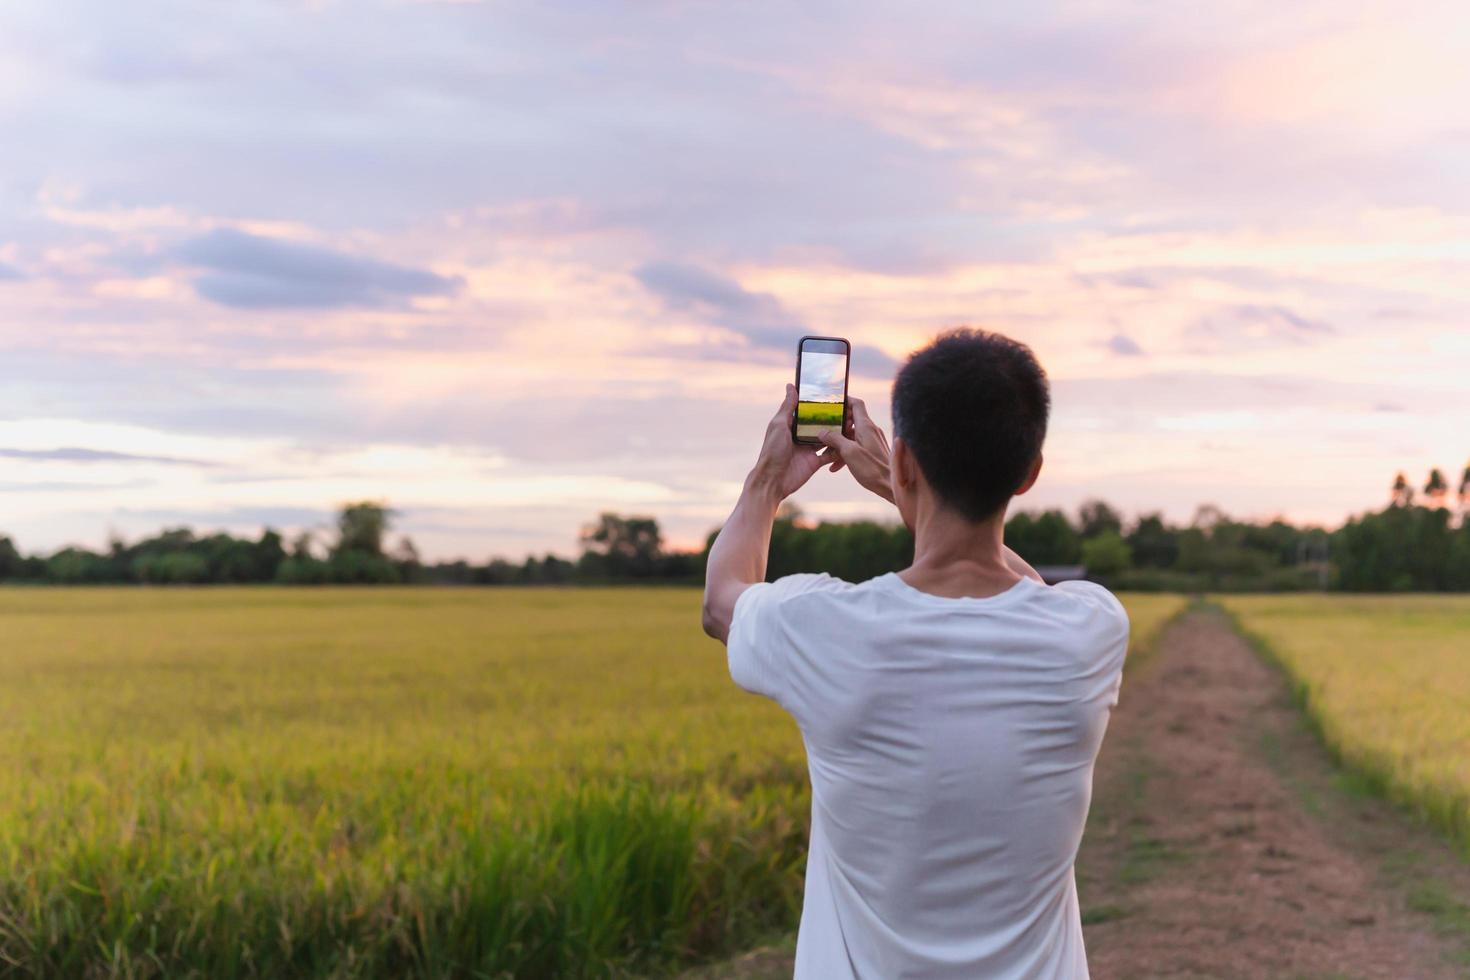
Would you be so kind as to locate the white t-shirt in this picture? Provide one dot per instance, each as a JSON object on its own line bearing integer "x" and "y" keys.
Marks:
{"x": 950, "y": 744}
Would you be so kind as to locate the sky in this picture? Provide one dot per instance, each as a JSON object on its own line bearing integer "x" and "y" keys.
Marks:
{"x": 505, "y": 265}
{"x": 822, "y": 376}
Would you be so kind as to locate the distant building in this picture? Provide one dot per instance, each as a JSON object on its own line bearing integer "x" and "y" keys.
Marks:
{"x": 1052, "y": 574}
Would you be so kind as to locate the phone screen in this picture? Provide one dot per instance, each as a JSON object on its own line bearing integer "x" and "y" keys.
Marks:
{"x": 821, "y": 387}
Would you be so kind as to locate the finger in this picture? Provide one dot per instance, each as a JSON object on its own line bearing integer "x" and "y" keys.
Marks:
{"x": 788, "y": 404}
{"x": 834, "y": 440}
{"x": 859, "y": 410}
{"x": 837, "y": 465}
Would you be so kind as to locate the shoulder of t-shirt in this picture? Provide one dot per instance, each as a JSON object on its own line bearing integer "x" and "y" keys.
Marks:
{"x": 1096, "y": 596}
{"x": 790, "y": 587}
{"x": 761, "y": 629}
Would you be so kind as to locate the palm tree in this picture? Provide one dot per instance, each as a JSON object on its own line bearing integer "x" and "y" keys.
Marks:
{"x": 1403, "y": 493}
{"x": 1465, "y": 493}
{"x": 1436, "y": 489}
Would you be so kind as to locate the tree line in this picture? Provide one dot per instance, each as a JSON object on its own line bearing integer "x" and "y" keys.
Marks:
{"x": 1415, "y": 543}
{"x": 615, "y": 549}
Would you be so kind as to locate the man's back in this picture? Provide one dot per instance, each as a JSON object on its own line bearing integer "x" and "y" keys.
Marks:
{"x": 951, "y": 745}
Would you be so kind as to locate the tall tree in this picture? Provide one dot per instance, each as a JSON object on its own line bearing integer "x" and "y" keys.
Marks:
{"x": 269, "y": 553}
{"x": 1095, "y": 517}
{"x": 1106, "y": 554}
{"x": 1154, "y": 544}
{"x": 623, "y": 546}
{"x": 1465, "y": 491}
{"x": 1208, "y": 516}
{"x": 1044, "y": 539}
{"x": 361, "y": 528}
{"x": 1436, "y": 488}
{"x": 1402, "y": 492}
{"x": 10, "y": 560}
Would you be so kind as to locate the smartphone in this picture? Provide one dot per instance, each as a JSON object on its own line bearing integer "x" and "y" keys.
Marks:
{"x": 821, "y": 387}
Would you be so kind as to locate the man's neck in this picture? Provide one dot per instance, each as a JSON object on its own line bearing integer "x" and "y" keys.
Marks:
{"x": 954, "y": 557}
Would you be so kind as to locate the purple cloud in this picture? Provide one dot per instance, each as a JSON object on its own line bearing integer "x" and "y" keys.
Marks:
{"x": 1124, "y": 346}
{"x": 758, "y": 317}
{"x": 77, "y": 455}
{"x": 1257, "y": 325}
{"x": 255, "y": 272}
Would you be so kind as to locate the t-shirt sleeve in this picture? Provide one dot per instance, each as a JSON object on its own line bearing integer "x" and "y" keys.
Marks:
{"x": 761, "y": 639}
{"x": 1115, "y": 617}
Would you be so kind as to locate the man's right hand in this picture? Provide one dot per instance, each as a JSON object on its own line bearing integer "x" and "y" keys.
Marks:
{"x": 864, "y": 449}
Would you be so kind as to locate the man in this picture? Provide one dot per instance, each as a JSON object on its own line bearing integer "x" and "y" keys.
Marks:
{"x": 952, "y": 711}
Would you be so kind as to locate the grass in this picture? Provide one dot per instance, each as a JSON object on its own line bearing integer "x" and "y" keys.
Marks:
{"x": 374, "y": 783}
{"x": 1148, "y": 615}
{"x": 1451, "y": 915}
{"x": 819, "y": 413}
{"x": 1386, "y": 682}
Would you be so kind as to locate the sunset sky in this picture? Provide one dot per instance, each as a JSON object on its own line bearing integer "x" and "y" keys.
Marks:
{"x": 822, "y": 375}
{"x": 505, "y": 265}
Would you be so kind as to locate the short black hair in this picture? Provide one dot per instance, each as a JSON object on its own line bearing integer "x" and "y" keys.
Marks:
{"x": 972, "y": 408}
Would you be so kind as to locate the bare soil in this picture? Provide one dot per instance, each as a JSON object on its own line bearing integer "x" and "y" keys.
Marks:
{"x": 1224, "y": 842}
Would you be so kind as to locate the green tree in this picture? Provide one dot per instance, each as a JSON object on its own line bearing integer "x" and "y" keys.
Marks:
{"x": 1154, "y": 543}
{"x": 622, "y": 547}
{"x": 1095, "y": 517}
{"x": 1458, "y": 577}
{"x": 10, "y": 559}
{"x": 1398, "y": 549}
{"x": 406, "y": 557}
{"x": 1044, "y": 539}
{"x": 1436, "y": 488}
{"x": 171, "y": 568}
{"x": 269, "y": 553}
{"x": 1106, "y": 554}
{"x": 354, "y": 567}
{"x": 1402, "y": 491}
{"x": 78, "y": 566}
{"x": 302, "y": 570}
{"x": 302, "y": 566}
{"x": 361, "y": 527}
{"x": 498, "y": 571}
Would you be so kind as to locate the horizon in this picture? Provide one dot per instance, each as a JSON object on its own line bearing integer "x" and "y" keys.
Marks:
{"x": 294, "y": 256}
{"x": 321, "y": 533}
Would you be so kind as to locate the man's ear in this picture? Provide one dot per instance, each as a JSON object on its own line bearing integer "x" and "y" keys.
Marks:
{"x": 905, "y": 469}
{"x": 1030, "y": 480}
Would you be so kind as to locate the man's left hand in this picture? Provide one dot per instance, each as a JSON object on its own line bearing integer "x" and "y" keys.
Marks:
{"x": 784, "y": 466}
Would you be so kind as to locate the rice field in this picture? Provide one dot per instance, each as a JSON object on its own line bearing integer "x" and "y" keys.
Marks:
{"x": 1386, "y": 679}
{"x": 819, "y": 413}
{"x": 814, "y": 418}
{"x": 388, "y": 782}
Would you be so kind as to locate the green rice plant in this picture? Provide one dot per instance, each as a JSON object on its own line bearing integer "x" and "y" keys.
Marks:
{"x": 1386, "y": 680}
{"x": 819, "y": 413}
{"x": 1148, "y": 615}
{"x": 243, "y": 783}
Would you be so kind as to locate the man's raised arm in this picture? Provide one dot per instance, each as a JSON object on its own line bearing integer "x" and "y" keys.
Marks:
{"x": 737, "y": 560}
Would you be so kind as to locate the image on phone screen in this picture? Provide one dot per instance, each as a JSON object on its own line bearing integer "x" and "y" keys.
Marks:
{"x": 821, "y": 387}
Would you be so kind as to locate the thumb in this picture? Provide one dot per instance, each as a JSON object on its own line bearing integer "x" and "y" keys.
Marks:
{"x": 788, "y": 406}
{"x": 834, "y": 440}
{"x": 788, "y": 403}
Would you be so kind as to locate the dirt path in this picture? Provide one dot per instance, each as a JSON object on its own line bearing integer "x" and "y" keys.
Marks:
{"x": 1223, "y": 841}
